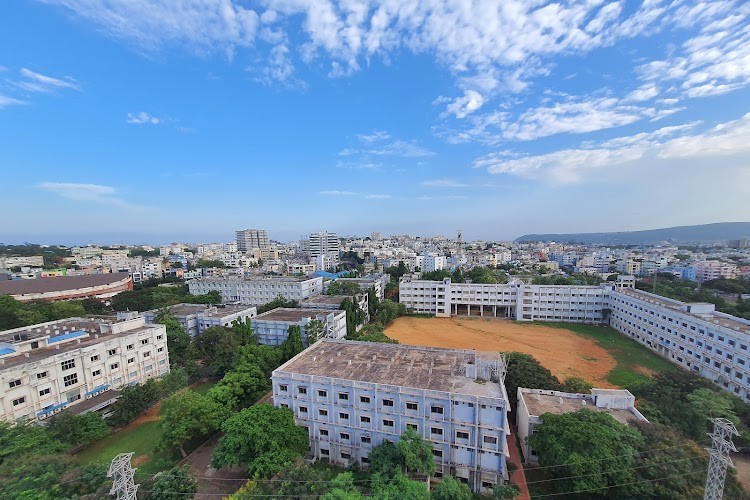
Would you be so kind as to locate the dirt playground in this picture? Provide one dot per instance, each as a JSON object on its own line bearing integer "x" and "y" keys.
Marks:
{"x": 563, "y": 352}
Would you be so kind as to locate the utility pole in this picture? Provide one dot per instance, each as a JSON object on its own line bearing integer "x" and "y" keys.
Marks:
{"x": 122, "y": 474}
{"x": 721, "y": 445}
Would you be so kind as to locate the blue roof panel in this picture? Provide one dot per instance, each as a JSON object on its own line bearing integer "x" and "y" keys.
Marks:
{"x": 66, "y": 336}
{"x": 6, "y": 350}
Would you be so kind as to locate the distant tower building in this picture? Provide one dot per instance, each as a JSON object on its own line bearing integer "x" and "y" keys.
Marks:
{"x": 325, "y": 244}
{"x": 460, "y": 236}
{"x": 247, "y": 239}
{"x": 375, "y": 236}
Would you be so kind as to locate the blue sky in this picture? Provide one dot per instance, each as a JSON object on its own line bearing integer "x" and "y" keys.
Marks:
{"x": 165, "y": 120}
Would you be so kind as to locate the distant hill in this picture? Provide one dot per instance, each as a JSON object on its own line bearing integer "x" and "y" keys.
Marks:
{"x": 679, "y": 234}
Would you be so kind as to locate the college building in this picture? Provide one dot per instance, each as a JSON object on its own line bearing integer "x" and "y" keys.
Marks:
{"x": 257, "y": 291}
{"x": 351, "y": 396}
{"x": 76, "y": 363}
{"x": 692, "y": 335}
{"x": 195, "y": 318}
{"x": 272, "y": 327}
{"x": 99, "y": 286}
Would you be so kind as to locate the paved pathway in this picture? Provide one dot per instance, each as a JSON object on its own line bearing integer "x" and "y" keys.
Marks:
{"x": 517, "y": 477}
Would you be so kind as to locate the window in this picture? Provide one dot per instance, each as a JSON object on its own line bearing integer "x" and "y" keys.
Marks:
{"x": 344, "y": 436}
{"x": 437, "y": 453}
{"x": 323, "y": 413}
{"x": 144, "y": 341}
{"x": 345, "y": 456}
{"x": 19, "y": 401}
{"x": 14, "y": 383}
{"x": 68, "y": 364}
{"x": 131, "y": 360}
{"x": 159, "y": 337}
{"x": 366, "y": 439}
{"x": 283, "y": 388}
{"x": 343, "y": 415}
{"x": 490, "y": 439}
{"x": 412, "y": 406}
{"x": 364, "y": 419}
{"x": 437, "y": 409}
{"x": 302, "y": 390}
{"x": 95, "y": 358}
{"x": 160, "y": 349}
{"x": 387, "y": 402}
{"x": 70, "y": 379}
{"x": 387, "y": 423}
{"x": 323, "y": 432}
{"x": 112, "y": 352}
{"x": 42, "y": 374}
{"x": 96, "y": 373}
{"x": 114, "y": 366}
{"x": 364, "y": 399}
{"x": 322, "y": 394}
{"x": 462, "y": 435}
{"x": 147, "y": 354}
{"x": 324, "y": 452}
{"x": 343, "y": 396}
{"x": 413, "y": 427}
{"x": 44, "y": 392}
{"x": 303, "y": 409}
{"x": 437, "y": 431}
{"x": 130, "y": 347}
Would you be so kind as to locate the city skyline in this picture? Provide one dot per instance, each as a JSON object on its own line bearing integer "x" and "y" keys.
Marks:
{"x": 144, "y": 123}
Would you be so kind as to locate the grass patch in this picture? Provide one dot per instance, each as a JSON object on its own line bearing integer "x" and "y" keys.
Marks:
{"x": 141, "y": 440}
{"x": 631, "y": 356}
{"x": 204, "y": 387}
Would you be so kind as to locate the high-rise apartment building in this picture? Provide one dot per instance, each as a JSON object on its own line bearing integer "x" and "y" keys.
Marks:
{"x": 247, "y": 239}
{"x": 323, "y": 243}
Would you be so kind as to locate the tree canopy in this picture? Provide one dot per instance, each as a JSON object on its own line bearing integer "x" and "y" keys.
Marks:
{"x": 188, "y": 415}
{"x": 174, "y": 484}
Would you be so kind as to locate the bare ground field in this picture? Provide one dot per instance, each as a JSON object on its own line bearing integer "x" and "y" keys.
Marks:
{"x": 563, "y": 352}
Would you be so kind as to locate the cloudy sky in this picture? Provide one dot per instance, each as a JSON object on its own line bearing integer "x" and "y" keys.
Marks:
{"x": 161, "y": 120}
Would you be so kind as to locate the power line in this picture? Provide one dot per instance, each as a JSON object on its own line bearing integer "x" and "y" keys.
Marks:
{"x": 618, "y": 485}
{"x": 615, "y": 456}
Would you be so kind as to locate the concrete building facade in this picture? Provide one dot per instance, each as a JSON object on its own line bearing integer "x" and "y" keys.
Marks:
{"x": 250, "y": 239}
{"x": 195, "y": 318}
{"x": 76, "y": 363}
{"x": 352, "y": 396}
{"x": 257, "y": 291}
{"x": 272, "y": 327}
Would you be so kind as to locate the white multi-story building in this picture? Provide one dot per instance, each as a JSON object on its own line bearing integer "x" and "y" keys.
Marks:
{"x": 299, "y": 268}
{"x": 433, "y": 263}
{"x": 256, "y": 291}
{"x": 532, "y": 403}
{"x": 351, "y": 396}
{"x": 32, "y": 261}
{"x": 272, "y": 327}
{"x": 77, "y": 363}
{"x": 324, "y": 243}
{"x": 251, "y": 239}
{"x": 692, "y": 335}
{"x": 714, "y": 269}
{"x": 195, "y": 318}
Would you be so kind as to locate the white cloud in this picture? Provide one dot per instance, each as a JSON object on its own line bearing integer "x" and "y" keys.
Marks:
{"x": 336, "y": 192}
{"x": 6, "y": 101}
{"x": 85, "y": 192}
{"x": 377, "y": 196}
{"x": 444, "y": 183}
{"x": 376, "y": 136}
{"x": 36, "y": 82}
{"x": 398, "y": 147}
{"x": 463, "y": 106}
{"x": 644, "y": 93}
{"x": 574, "y": 165}
{"x": 364, "y": 165}
{"x": 142, "y": 118}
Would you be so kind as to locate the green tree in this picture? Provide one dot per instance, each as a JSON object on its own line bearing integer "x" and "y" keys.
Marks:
{"x": 263, "y": 438}
{"x": 188, "y": 415}
{"x": 342, "y": 488}
{"x": 712, "y": 403}
{"x": 279, "y": 301}
{"x": 523, "y": 370}
{"x": 387, "y": 460}
{"x": 76, "y": 430}
{"x": 241, "y": 387}
{"x": 134, "y": 400}
{"x": 567, "y": 438}
{"x": 175, "y": 484}
{"x": 179, "y": 342}
{"x": 337, "y": 287}
{"x": 450, "y": 488}
{"x": 577, "y": 385}
{"x": 417, "y": 453}
{"x": 372, "y": 333}
{"x": 399, "y": 487}
{"x": 293, "y": 344}
{"x": 315, "y": 330}
{"x": 372, "y": 301}
{"x": 217, "y": 346}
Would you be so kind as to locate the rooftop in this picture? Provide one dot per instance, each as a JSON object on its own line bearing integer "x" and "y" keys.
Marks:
{"x": 400, "y": 365}
{"x": 292, "y": 314}
{"x": 539, "y": 403}
{"x": 281, "y": 279}
{"x": 58, "y": 284}
{"x": 332, "y": 300}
